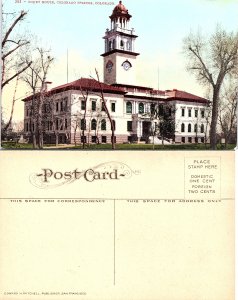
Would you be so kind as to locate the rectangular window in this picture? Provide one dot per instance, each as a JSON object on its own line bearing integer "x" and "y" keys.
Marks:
{"x": 189, "y": 113}
{"x": 94, "y": 139}
{"x": 190, "y": 140}
{"x": 66, "y": 124}
{"x": 57, "y": 106}
{"x": 83, "y": 105}
{"x": 129, "y": 125}
{"x": 196, "y": 113}
{"x": 93, "y": 105}
{"x": 183, "y": 112}
{"x": 202, "y": 113}
{"x": 183, "y": 139}
{"x": 61, "y": 106}
{"x": 202, "y": 140}
{"x": 113, "y": 107}
{"x": 103, "y": 107}
{"x": 104, "y": 139}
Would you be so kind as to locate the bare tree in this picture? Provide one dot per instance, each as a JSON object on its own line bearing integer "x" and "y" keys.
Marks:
{"x": 227, "y": 117}
{"x": 12, "y": 66}
{"x": 35, "y": 77}
{"x": 212, "y": 60}
{"x": 107, "y": 112}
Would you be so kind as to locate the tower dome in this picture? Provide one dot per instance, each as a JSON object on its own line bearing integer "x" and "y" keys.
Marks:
{"x": 120, "y": 11}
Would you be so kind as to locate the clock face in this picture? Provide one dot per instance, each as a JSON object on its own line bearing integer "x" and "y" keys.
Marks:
{"x": 109, "y": 66}
{"x": 126, "y": 65}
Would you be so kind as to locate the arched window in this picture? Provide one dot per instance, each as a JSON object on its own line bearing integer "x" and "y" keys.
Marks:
{"x": 114, "y": 125}
{"x": 128, "y": 107}
{"x": 182, "y": 127}
{"x": 202, "y": 128}
{"x": 103, "y": 124}
{"x": 141, "y": 108}
{"x": 83, "y": 124}
{"x": 114, "y": 44}
{"x": 122, "y": 45}
{"x": 93, "y": 124}
{"x": 189, "y": 127}
{"x": 195, "y": 128}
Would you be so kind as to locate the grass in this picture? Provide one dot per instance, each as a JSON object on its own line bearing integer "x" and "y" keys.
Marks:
{"x": 188, "y": 147}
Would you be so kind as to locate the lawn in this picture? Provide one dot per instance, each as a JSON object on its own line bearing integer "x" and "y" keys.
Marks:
{"x": 16, "y": 146}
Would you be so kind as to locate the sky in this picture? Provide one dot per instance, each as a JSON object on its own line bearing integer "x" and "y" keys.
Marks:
{"x": 161, "y": 26}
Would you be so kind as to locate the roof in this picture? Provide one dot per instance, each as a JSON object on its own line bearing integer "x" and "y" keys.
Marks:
{"x": 85, "y": 84}
{"x": 184, "y": 96}
{"x": 120, "y": 11}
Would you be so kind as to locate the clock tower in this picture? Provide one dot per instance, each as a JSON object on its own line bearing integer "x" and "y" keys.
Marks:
{"x": 120, "y": 55}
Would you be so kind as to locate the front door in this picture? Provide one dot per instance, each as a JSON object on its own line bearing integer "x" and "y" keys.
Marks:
{"x": 146, "y": 127}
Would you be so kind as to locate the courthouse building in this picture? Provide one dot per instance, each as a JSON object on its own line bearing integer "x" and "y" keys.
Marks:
{"x": 75, "y": 112}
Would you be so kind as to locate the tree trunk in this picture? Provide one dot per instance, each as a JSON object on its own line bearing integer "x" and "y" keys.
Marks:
{"x": 56, "y": 139}
{"x": 34, "y": 141}
{"x": 215, "y": 106}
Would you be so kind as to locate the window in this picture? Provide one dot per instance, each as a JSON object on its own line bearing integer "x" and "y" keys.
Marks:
{"x": 113, "y": 107}
{"x": 114, "y": 44}
{"x": 128, "y": 107}
{"x": 66, "y": 123}
{"x": 93, "y": 105}
{"x": 61, "y": 106}
{"x": 202, "y": 113}
{"x": 202, "y": 128}
{"x": 93, "y": 124}
{"x": 104, "y": 139}
{"x": 57, "y": 124}
{"x": 182, "y": 127}
{"x": 196, "y": 113}
{"x": 152, "y": 108}
{"x": 183, "y": 112}
{"x": 195, "y": 128}
{"x": 103, "y": 106}
{"x": 196, "y": 140}
{"x": 122, "y": 45}
{"x": 83, "y": 124}
{"x": 189, "y": 127}
{"x": 57, "y": 106}
{"x": 129, "y": 125}
{"x": 83, "y": 105}
{"x": 103, "y": 125}
{"x": 190, "y": 140}
{"x": 190, "y": 113}
{"x": 141, "y": 108}
{"x": 128, "y": 46}
{"x": 183, "y": 139}
{"x": 114, "y": 125}
{"x": 161, "y": 110}
{"x": 202, "y": 140}
{"x": 27, "y": 127}
{"x": 94, "y": 139}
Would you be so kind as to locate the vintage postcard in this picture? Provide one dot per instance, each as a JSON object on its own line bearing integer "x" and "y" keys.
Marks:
{"x": 80, "y": 82}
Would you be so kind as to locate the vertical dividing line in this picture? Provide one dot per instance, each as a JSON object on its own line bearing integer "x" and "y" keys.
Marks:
{"x": 114, "y": 243}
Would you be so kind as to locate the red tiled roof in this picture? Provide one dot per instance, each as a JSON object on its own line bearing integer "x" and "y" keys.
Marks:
{"x": 181, "y": 95}
{"x": 84, "y": 84}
